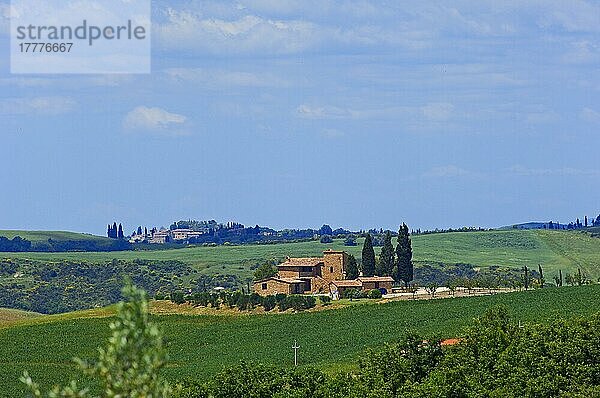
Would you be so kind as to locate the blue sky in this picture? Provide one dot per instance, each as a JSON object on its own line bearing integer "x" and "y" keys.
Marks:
{"x": 298, "y": 113}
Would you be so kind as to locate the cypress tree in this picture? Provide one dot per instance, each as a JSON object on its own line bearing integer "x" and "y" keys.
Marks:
{"x": 386, "y": 259}
{"x": 109, "y": 231}
{"x": 114, "y": 231}
{"x": 405, "y": 271}
{"x": 541, "y": 275}
{"x": 120, "y": 233}
{"x": 352, "y": 268}
{"x": 560, "y": 278}
{"x": 368, "y": 257}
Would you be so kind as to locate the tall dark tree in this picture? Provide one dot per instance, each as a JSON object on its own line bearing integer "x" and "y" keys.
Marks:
{"x": 404, "y": 265}
{"x": 109, "y": 231}
{"x": 386, "y": 259}
{"x": 114, "y": 230}
{"x": 368, "y": 257}
{"x": 585, "y": 221}
{"x": 351, "y": 268}
{"x": 146, "y": 231}
{"x": 541, "y": 275}
{"x": 325, "y": 230}
{"x": 139, "y": 230}
{"x": 120, "y": 234}
{"x": 560, "y": 277}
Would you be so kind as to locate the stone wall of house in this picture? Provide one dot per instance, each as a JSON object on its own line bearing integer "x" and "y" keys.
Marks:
{"x": 377, "y": 285}
{"x": 289, "y": 272}
{"x": 272, "y": 287}
{"x": 334, "y": 267}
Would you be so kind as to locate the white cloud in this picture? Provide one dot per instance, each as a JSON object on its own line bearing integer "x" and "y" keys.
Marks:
{"x": 248, "y": 34}
{"x": 155, "y": 120}
{"x": 36, "y": 106}
{"x": 582, "y": 52}
{"x": 219, "y": 78}
{"x": 572, "y": 16}
{"x": 447, "y": 171}
{"x": 590, "y": 115}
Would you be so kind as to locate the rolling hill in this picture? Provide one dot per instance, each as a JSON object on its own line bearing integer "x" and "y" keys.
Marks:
{"x": 198, "y": 346}
{"x": 554, "y": 250}
{"x": 42, "y": 236}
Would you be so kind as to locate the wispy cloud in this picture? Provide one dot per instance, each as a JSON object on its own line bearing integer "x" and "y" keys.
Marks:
{"x": 225, "y": 78}
{"x": 246, "y": 35}
{"x": 590, "y": 115}
{"x": 155, "y": 121}
{"x": 449, "y": 171}
{"x": 36, "y": 106}
{"x": 564, "y": 171}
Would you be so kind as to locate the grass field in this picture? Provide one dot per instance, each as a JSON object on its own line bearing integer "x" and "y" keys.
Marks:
{"x": 9, "y": 316}
{"x": 554, "y": 250}
{"x": 199, "y": 346}
{"x": 42, "y": 236}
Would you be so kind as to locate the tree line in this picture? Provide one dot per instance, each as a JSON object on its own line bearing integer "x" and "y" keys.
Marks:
{"x": 395, "y": 262}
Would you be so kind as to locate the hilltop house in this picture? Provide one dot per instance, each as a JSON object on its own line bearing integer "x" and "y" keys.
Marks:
{"x": 317, "y": 275}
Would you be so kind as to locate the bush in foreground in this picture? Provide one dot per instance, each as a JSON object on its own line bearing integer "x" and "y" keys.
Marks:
{"x": 130, "y": 365}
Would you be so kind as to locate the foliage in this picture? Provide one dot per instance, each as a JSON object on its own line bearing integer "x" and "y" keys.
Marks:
{"x": 326, "y": 239}
{"x": 386, "y": 259}
{"x": 267, "y": 270}
{"x": 298, "y": 302}
{"x": 350, "y": 240}
{"x": 325, "y": 300}
{"x": 374, "y": 294}
{"x": 130, "y": 365}
{"x": 368, "y": 257}
{"x": 404, "y": 265}
{"x": 54, "y": 287}
{"x": 352, "y": 268}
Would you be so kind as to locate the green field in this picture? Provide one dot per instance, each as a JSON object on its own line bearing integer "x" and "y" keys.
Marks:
{"x": 199, "y": 346}
{"x": 42, "y": 236}
{"x": 554, "y": 250}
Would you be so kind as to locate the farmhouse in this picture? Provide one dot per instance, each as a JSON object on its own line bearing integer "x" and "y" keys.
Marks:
{"x": 305, "y": 275}
{"x": 318, "y": 275}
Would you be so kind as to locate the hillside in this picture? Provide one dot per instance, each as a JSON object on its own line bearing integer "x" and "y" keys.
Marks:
{"x": 199, "y": 346}
{"x": 554, "y": 250}
{"x": 42, "y": 236}
{"x": 9, "y": 316}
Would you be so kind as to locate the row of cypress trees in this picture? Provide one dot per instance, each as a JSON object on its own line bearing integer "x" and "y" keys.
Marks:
{"x": 396, "y": 263}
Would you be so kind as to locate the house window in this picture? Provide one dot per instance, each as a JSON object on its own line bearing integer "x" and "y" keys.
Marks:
{"x": 331, "y": 269}
{"x": 264, "y": 286}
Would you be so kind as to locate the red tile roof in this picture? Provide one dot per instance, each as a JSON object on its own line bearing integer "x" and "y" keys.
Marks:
{"x": 302, "y": 261}
{"x": 376, "y": 279}
{"x": 346, "y": 283}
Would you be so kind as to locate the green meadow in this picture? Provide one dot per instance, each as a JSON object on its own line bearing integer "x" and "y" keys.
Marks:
{"x": 554, "y": 250}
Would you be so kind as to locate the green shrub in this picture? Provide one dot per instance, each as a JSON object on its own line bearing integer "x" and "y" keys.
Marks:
{"x": 269, "y": 303}
{"x": 374, "y": 294}
{"x": 297, "y": 302}
{"x": 130, "y": 365}
{"x": 325, "y": 300}
{"x": 178, "y": 297}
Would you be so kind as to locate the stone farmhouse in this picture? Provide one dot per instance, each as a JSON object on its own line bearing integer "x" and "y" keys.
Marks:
{"x": 318, "y": 275}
